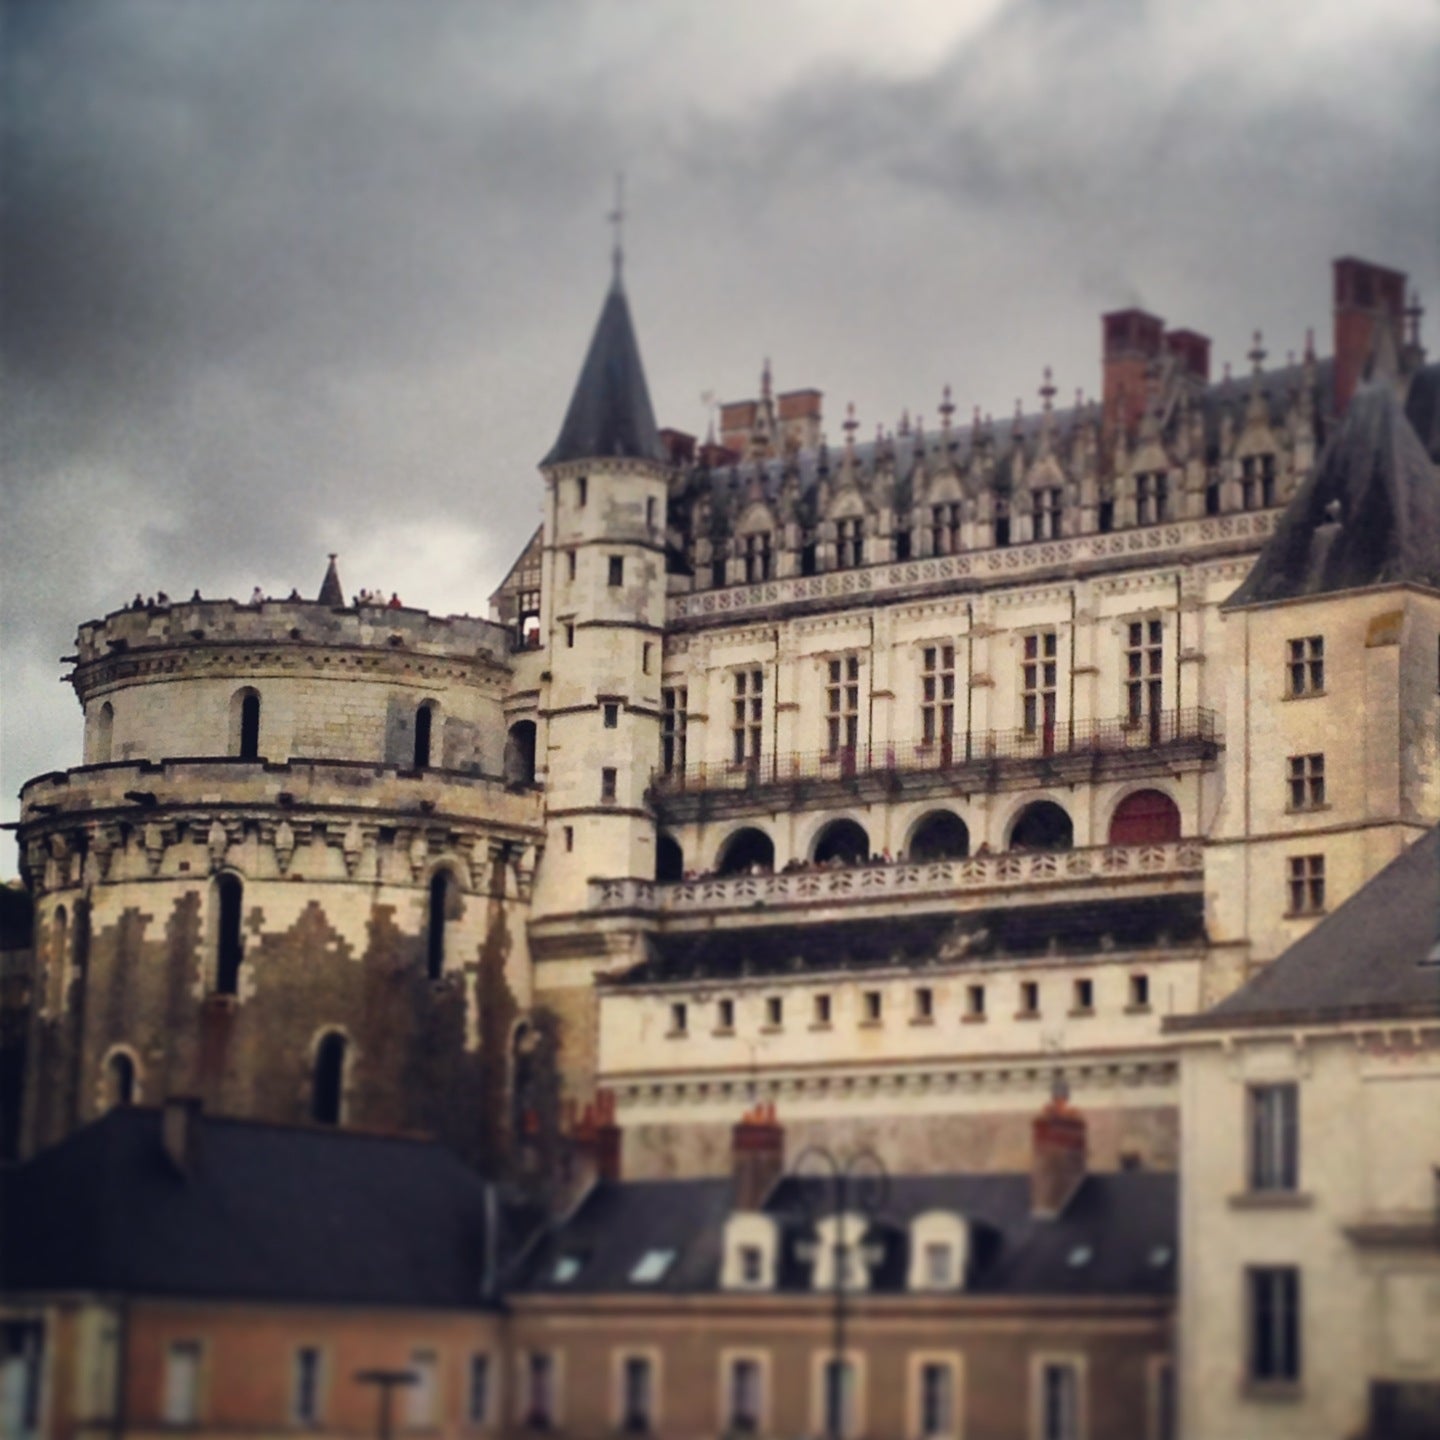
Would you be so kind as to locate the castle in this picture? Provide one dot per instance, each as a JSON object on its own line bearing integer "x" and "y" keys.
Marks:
{"x": 895, "y": 780}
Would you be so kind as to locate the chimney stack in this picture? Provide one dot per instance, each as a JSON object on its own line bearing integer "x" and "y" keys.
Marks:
{"x": 1132, "y": 341}
{"x": 592, "y": 1151}
{"x": 1366, "y": 296}
{"x": 180, "y": 1131}
{"x": 757, "y": 1150}
{"x": 1058, "y": 1157}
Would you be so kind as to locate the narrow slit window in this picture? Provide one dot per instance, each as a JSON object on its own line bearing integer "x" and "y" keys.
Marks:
{"x": 435, "y": 930}
{"x": 231, "y": 944}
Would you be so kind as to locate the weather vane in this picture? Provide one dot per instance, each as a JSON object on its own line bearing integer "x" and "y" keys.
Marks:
{"x": 617, "y": 218}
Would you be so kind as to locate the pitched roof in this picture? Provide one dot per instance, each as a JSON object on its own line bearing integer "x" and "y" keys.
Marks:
{"x": 266, "y": 1212}
{"x": 1117, "y": 1236}
{"x": 330, "y": 591}
{"x": 1369, "y": 959}
{"x": 609, "y": 412}
{"x": 1368, "y": 514}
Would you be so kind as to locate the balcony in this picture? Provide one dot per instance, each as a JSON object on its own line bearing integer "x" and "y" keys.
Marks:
{"x": 1104, "y": 868}
{"x": 976, "y": 762}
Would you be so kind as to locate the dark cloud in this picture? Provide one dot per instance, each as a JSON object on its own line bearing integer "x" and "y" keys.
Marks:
{"x": 283, "y": 276}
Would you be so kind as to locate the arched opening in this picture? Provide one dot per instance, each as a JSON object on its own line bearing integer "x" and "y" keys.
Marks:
{"x": 245, "y": 724}
{"x": 435, "y": 929}
{"x": 104, "y": 732}
{"x": 120, "y": 1079}
{"x": 1148, "y": 817}
{"x": 230, "y": 945}
{"x": 746, "y": 850}
{"x": 669, "y": 859}
{"x": 940, "y": 835}
{"x": 520, "y": 753}
{"x": 1042, "y": 825}
{"x": 61, "y": 938}
{"x": 842, "y": 841}
{"x": 327, "y": 1087}
{"x": 424, "y": 726}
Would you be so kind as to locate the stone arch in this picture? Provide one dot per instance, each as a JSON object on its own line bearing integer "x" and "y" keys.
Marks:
{"x": 520, "y": 744}
{"x": 742, "y": 850}
{"x": 844, "y": 840}
{"x": 1042, "y": 825}
{"x": 426, "y": 714}
{"x": 229, "y": 938}
{"x": 938, "y": 835}
{"x": 443, "y": 905}
{"x": 245, "y": 723}
{"x": 327, "y": 1077}
{"x": 1144, "y": 817}
{"x": 104, "y": 733}
{"x": 669, "y": 859}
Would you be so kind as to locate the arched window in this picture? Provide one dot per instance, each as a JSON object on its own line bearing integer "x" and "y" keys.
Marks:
{"x": 842, "y": 840}
{"x": 1148, "y": 817}
{"x": 104, "y": 732}
{"x": 435, "y": 928}
{"x": 669, "y": 859}
{"x": 424, "y": 724}
{"x": 327, "y": 1088}
{"x": 520, "y": 753}
{"x": 1042, "y": 826}
{"x": 245, "y": 724}
{"x": 940, "y": 835}
{"x": 230, "y": 945}
{"x": 746, "y": 850}
{"x": 120, "y": 1078}
{"x": 61, "y": 938}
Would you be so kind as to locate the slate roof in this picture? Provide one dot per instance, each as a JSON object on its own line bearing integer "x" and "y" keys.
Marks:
{"x": 1370, "y": 958}
{"x": 1422, "y": 407}
{"x": 1117, "y": 1236}
{"x": 268, "y": 1213}
{"x": 1368, "y": 514}
{"x": 1018, "y": 931}
{"x": 330, "y": 591}
{"x": 610, "y": 412}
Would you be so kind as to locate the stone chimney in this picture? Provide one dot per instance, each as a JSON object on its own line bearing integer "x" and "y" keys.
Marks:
{"x": 180, "y": 1131}
{"x": 1365, "y": 295}
{"x": 1131, "y": 343}
{"x": 1058, "y": 1155}
{"x": 757, "y": 1149}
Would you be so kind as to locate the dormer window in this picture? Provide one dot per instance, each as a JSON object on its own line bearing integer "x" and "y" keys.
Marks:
{"x": 751, "y": 1246}
{"x": 939, "y": 1251}
{"x": 1257, "y": 482}
{"x": 849, "y": 543}
{"x": 755, "y": 552}
{"x": 752, "y": 1264}
{"x": 842, "y": 1257}
{"x": 939, "y": 1265}
{"x": 1151, "y": 497}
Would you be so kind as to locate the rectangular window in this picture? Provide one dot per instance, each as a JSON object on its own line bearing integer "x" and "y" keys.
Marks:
{"x": 617, "y": 570}
{"x": 1144, "y": 659}
{"x": 938, "y": 1264}
{"x": 1029, "y": 997}
{"x": 1045, "y": 512}
{"x": 182, "y": 1383}
{"x": 747, "y": 716}
{"x": 1037, "y": 682}
{"x": 569, "y": 838}
{"x": 612, "y": 717}
{"x": 1257, "y": 482}
{"x": 1105, "y": 516}
{"x": 937, "y": 1399}
{"x": 571, "y": 562}
{"x": 582, "y": 491}
{"x": 569, "y": 637}
{"x": 752, "y": 1264}
{"x": 945, "y": 529}
{"x": 839, "y": 1415}
{"x": 1139, "y": 992}
{"x": 305, "y": 1392}
{"x": 650, "y": 513}
{"x": 849, "y": 543}
{"x": 744, "y": 1391}
{"x": 1059, "y": 1401}
{"x": 822, "y": 1009}
{"x": 1274, "y": 1136}
{"x": 679, "y": 1018}
{"x": 1163, "y": 1381}
{"x": 774, "y": 1010}
{"x": 645, "y": 650}
{"x": 674, "y": 720}
{"x": 1307, "y": 884}
{"x": 1002, "y": 521}
{"x": 421, "y": 1398}
{"x": 540, "y": 1391}
{"x": 477, "y": 1399}
{"x": 755, "y": 552}
{"x": 924, "y": 1003}
{"x": 1152, "y": 497}
{"x": 872, "y": 1003}
{"x": 638, "y": 1400}
{"x": 607, "y": 783}
{"x": 1307, "y": 782}
{"x": 937, "y": 695}
{"x": 842, "y": 705}
{"x": 725, "y": 1015}
{"x": 975, "y": 1001}
{"x": 1084, "y": 996}
{"x": 1307, "y": 665}
{"x": 1274, "y": 1328}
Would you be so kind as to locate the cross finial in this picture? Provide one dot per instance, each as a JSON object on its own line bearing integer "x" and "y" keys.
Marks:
{"x": 617, "y": 218}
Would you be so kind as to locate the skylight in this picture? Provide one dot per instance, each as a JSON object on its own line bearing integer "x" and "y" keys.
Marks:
{"x": 567, "y": 1267}
{"x": 1160, "y": 1255}
{"x": 651, "y": 1266}
{"x": 1080, "y": 1255}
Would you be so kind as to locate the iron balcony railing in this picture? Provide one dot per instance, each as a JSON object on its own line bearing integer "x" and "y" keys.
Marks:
{"x": 1151, "y": 731}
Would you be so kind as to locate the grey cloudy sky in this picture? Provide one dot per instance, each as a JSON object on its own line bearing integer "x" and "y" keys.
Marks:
{"x": 289, "y": 276}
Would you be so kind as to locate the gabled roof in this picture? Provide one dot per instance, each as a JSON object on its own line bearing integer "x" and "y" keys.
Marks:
{"x": 266, "y": 1212}
{"x": 1369, "y": 513}
{"x": 610, "y": 412}
{"x": 1369, "y": 959}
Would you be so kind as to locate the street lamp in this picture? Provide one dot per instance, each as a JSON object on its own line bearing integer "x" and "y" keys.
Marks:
{"x": 386, "y": 1382}
{"x": 859, "y": 1183}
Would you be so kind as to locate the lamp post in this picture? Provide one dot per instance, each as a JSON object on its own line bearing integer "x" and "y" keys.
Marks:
{"x": 386, "y": 1382}
{"x": 858, "y": 1181}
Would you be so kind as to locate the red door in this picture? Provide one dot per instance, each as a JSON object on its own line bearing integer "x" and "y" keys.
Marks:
{"x": 1148, "y": 817}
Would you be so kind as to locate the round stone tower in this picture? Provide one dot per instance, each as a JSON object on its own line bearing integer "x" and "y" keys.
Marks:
{"x": 290, "y": 876}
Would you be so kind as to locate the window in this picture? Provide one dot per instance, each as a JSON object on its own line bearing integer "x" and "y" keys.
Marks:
{"x": 1307, "y": 782}
{"x": 747, "y": 716}
{"x": 679, "y": 1018}
{"x": 717, "y": 573}
{"x": 571, "y": 564}
{"x": 637, "y": 1399}
{"x": 1084, "y": 997}
{"x": 1257, "y": 482}
{"x": 842, "y": 705}
{"x": 651, "y": 1267}
{"x": 849, "y": 543}
{"x": 1274, "y": 1328}
{"x": 1139, "y": 992}
{"x": 104, "y": 732}
{"x": 582, "y": 491}
{"x": 1105, "y": 516}
{"x": 752, "y": 1264}
{"x": 1307, "y": 884}
{"x": 182, "y": 1383}
{"x": 612, "y": 717}
{"x": 650, "y": 513}
{"x": 569, "y": 838}
{"x": 122, "y": 1079}
{"x": 540, "y": 1391}
{"x": 1002, "y": 521}
{"x": 1037, "y": 683}
{"x": 607, "y": 783}
{"x": 421, "y": 1397}
{"x": 435, "y": 924}
{"x": 871, "y": 1006}
{"x": 1163, "y": 1383}
{"x": 1144, "y": 650}
{"x": 424, "y": 724}
{"x": 1212, "y": 492}
{"x": 1029, "y": 997}
{"x": 1151, "y": 497}
{"x": 945, "y": 529}
{"x": 1059, "y": 1401}
{"x": 1045, "y": 512}
{"x": 528, "y": 627}
{"x": 755, "y": 553}
{"x": 305, "y": 1394}
{"x": 1307, "y": 666}
{"x": 248, "y": 739}
{"x": 230, "y": 944}
{"x": 673, "y": 723}
{"x": 1274, "y": 1136}
{"x": 725, "y": 1015}
{"x": 327, "y": 1086}
{"x": 744, "y": 1396}
{"x": 937, "y": 695}
{"x": 839, "y": 1397}
{"x": 645, "y": 651}
{"x": 822, "y": 1010}
{"x": 774, "y": 1010}
{"x": 975, "y": 1002}
{"x": 924, "y": 1003}
{"x": 569, "y": 636}
{"x": 617, "y": 570}
{"x": 937, "y": 1399}
{"x": 477, "y": 1396}
{"x": 939, "y": 1264}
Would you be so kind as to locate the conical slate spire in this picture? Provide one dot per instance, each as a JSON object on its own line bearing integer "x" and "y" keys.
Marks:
{"x": 609, "y": 412}
{"x": 330, "y": 591}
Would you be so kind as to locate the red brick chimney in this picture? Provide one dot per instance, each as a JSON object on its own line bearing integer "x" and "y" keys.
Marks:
{"x": 592, "y": 1149}
{"x": 1131, "y": 343}
{"x": 1192, "y": 350}
{"x": 1058, "y": 1157}
{"x": 1364, "y": 294}
{"x": 757, "y": 1149}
